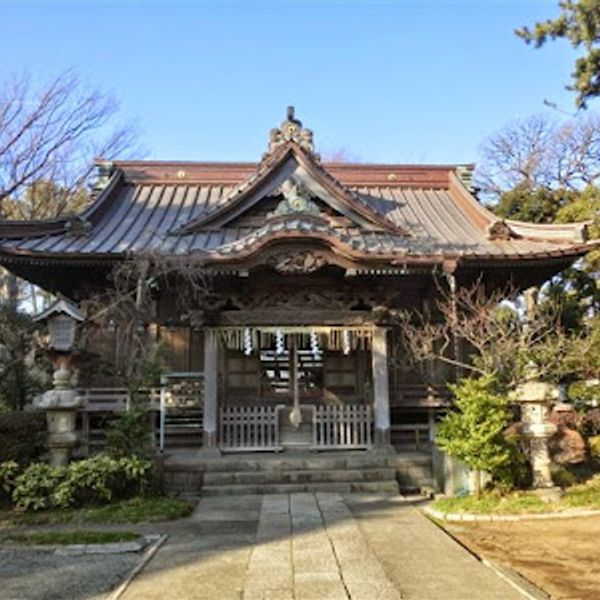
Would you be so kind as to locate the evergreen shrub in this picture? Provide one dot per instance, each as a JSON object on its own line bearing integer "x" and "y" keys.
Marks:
{"x": 22, "y": 436}
{"x": 97, "y": 480}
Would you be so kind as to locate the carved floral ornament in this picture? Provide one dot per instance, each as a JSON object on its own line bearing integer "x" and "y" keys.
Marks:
{"x": 294, "y": 262}
{"x": 296, "y": 199}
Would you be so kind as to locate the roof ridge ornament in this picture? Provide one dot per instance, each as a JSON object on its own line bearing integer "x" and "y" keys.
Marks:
{"x": 296, "y": 199}
{"x": 465, "y": 174}
{"x": 291, "y": 130}
{"x": 104, "y": 171}
{"x": 499, "y": 230}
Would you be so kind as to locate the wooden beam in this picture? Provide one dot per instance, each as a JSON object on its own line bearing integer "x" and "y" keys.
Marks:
{"x": 275, "y": 316}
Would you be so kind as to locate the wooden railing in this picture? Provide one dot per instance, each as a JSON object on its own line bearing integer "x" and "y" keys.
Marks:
{"x": 343, "y": 426}
{"x": 175, "y": 410}
{"x": 249, "y": 428}
{"x": 419, "y": 395}
{"x": 99, "y": 406}
{"x": 113, "y": 399}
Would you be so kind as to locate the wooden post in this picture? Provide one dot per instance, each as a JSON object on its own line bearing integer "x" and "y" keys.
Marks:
{"x": 381, "y": 394}
{"x": 211, "y": 372}
{"x": 296, "y": 414}
{"x": 453, "y": 286}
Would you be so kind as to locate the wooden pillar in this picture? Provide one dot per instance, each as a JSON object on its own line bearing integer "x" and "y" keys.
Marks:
{"x": 456, "y": 342}
{"x": 211, "y": 372}
{"x": 296, "y": 414}
{"x": 381, "y": 392}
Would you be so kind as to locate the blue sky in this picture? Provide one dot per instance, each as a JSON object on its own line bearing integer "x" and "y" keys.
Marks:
{"x": 404, "y": 81}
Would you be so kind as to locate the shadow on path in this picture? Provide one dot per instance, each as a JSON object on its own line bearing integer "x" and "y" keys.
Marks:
{"x": 316, "y": 547}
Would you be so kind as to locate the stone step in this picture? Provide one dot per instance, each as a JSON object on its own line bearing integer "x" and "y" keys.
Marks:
{"x": 182, "y": 441}
{"x": 269, "y": 463}
{"x": 375, "y": 487}
{"x": 184, "y": 429}
{"x": 299, "y": 476}
{"x": 188, "y": 472}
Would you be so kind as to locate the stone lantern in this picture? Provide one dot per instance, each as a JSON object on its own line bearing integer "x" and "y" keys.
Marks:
{"x": 534, "y": 398}
{"x": 62, "y": 402}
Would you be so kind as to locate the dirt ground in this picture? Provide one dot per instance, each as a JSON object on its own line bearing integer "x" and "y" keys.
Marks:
{"x": 560, "y": 556}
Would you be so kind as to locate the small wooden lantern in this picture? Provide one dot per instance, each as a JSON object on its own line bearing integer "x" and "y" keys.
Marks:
{"x": 62, "y": 318}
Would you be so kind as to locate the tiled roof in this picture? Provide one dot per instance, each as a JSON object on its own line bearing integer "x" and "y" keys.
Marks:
{"x": 387, "y": 212}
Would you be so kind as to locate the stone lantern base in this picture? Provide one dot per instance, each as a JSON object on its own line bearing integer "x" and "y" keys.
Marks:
{"x": 61, "y": 418}
{"x": 549, "y": 494}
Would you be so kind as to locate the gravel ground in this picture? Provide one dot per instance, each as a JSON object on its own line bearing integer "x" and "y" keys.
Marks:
{"x": 559, "y": 556}
{"x": 27, "y": 574}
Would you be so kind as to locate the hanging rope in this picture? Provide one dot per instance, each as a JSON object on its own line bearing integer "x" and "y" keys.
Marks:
{"x": 316, "y": 339}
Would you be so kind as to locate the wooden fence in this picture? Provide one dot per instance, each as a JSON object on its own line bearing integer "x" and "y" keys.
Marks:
{"x": 343, "y": 426}
{"x": 249, "y": 428}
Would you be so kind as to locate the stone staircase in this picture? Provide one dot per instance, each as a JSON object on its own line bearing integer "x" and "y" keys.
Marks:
{"x": 287, "y": 472}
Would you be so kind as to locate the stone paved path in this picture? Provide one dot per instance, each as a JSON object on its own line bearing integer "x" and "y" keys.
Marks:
{"x": 322, "y": 546}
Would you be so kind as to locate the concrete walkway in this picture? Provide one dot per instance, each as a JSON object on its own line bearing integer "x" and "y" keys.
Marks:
{"x": 322, "y": 546}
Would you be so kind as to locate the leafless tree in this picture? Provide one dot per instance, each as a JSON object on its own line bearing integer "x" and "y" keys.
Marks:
{"x": 53, "y": 132}
{"x": 538, "y": 152}
{"x": 499, "y": 338}
{"x": 49, "y": 136}
{"x": 124, "y": 310}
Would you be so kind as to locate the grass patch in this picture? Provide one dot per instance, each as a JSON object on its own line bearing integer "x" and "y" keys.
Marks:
{"x": 68, "y": 537}
{"x": 491, "y": 503}
{"x": 584, "y": 496}
{"x": 136, "y": 510}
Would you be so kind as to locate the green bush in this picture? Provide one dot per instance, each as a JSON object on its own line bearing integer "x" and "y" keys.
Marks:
{"x": 563, "y": 477}
{"x": 475, "y": 432}
{"x": 34, "y": 486}
{"x": 96, "y": 480}
{"x": 130, "y": 435}
{"x": 8, "y": 473}
{"x": 594, "y": 446}
{"x": 22, "y": 436}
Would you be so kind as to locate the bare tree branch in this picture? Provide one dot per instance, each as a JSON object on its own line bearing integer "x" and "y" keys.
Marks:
{"x": 500, "y": 340}
{"x": 52, "y": 134}
{"x": 537, "y": 152}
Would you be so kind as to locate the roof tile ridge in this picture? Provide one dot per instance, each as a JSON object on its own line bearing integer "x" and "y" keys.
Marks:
{"x": 353, "y": 196}
{"x": 497, "y": 227}
{"x": 479, "y": 215}
{"x": 575, "y": 231}
{"x": 236, "y": 195}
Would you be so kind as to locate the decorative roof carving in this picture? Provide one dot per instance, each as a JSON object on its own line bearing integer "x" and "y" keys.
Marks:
{"x": 296, "y": 199}
{"x": 78, "y": 226}
{"x": 298, "y": 263}
{"x": 291, "y": 130}
{"x": 499, "y": 230}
